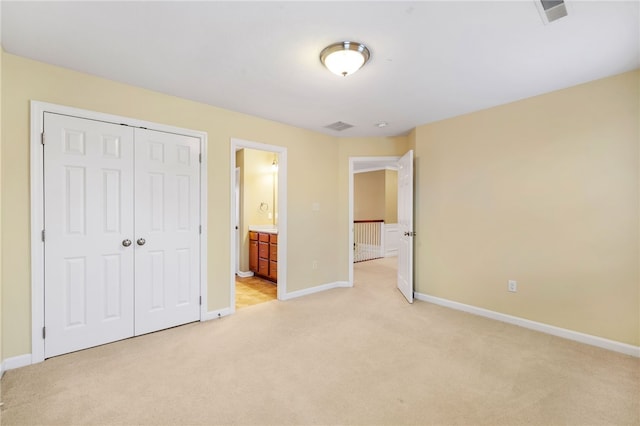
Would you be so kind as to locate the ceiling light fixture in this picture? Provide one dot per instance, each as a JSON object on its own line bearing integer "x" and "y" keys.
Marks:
{"x": 382, "y": 124}
{"x": 345, "y": 58}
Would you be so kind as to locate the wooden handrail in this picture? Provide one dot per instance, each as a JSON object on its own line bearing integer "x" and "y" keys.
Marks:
{"x": 369, "y": 221}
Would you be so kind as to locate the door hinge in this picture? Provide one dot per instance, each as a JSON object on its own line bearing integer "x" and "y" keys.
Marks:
{"x": 200, "y": 300}
{"x": 200, "y": 158}
{"x": 42, "y": 138}
{"x": 200, "y": 230}
{"x": 43, "y": 235}
{"x": 44, "y": 332}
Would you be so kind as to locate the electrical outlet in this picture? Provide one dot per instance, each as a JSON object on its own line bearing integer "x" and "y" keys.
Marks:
{"x": 513, "y": 286}
{"x": 314, "y": 264}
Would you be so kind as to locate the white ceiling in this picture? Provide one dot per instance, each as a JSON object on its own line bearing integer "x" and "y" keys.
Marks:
{"x": 430, "y": 60}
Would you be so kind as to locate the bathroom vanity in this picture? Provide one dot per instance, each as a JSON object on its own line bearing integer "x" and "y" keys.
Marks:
{"x": 263, "y": 253}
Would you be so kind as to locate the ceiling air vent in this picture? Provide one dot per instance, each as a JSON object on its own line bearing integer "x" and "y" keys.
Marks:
{"x": 339, "y": 126}
{"x": 551, "y": 10}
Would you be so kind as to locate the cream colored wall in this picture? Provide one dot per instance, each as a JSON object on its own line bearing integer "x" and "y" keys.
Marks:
{"x": 312, "y": 177}
{"x": 391, "y": 196}
{"x": 369, "y": 195}
{"x": 544, "y": 191}
{"x": 258, "y": 187}
{"x": 375, "y": 196}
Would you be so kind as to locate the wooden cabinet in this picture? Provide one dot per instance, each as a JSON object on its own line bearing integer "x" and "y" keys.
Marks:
{"x": 263, "y": 254}
{"x": 253, "y": 251}
{"x": 273, "y": 257}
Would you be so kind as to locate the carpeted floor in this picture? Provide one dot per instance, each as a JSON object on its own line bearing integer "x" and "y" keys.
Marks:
{"x": 345, "y": 356}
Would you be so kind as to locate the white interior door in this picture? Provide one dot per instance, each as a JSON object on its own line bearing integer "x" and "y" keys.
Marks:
{"x": 88, "y": 201}
{"x": 405, "y": 225}
{"x": 167, "y": 223}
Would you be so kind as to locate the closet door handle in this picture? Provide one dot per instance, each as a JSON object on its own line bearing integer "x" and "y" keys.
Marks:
{"x": 126, "y": 243}
{"x": 141, "y": 241}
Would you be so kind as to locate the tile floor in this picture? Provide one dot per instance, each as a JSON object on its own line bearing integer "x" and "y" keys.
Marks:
{"x": 254, "y": 290}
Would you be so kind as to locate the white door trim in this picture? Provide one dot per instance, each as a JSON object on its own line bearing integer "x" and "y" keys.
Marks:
{"x": 384, "y": 162}
{"x": 237, "y": 144}
{"x": 236, "y": 214}
{"x": 37, "y": 206}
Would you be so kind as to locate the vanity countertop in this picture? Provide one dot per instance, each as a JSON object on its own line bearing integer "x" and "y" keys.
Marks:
{"x": 268, "y": 229}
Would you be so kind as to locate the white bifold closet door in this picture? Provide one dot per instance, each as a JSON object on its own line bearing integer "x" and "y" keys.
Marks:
{"x": 167, "y": 218}
{"x": 121, "y": 232}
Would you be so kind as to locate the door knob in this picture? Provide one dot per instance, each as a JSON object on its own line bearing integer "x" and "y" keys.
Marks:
{"x": 126, "y": 243}
{"x": 141, "y": 241}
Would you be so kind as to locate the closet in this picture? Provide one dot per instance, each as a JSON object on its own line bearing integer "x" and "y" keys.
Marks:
{"x": 121, "y": 231}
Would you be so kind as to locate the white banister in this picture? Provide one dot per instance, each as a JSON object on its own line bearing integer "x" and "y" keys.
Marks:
{"x": 368, "y": 237}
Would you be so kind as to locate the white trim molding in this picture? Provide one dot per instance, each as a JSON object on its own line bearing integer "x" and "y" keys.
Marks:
{"x": 15, "y": 362}
{"x": 588, "y": 339}
{"x": 37, "y": 207}
{"x": 217, "y": 314}
{"x": 317, "y": 289}
{"x": 391, "y": 239}
{"x": 244, "y": 274}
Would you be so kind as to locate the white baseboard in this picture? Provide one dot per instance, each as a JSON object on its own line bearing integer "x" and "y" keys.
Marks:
{"x": 316, "y": 289}
{"x": 217, "y": 314}
{"x": 391, "y": 253}
{"x": 15, "y": 362}
{"x": 244, "y": 274}
{"x": 588, "y": 339}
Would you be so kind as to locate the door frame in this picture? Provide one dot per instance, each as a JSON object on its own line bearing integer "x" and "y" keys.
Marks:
{"x": 37, "y": 206}
{"x": 373, "y": 163}
{"x": 236, "y": 217}
{"x": 237, "y": 144}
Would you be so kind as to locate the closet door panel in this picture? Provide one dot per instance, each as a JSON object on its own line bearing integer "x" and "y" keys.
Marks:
{"x": 167, "y": 193}
{"x": 88, "y": 211}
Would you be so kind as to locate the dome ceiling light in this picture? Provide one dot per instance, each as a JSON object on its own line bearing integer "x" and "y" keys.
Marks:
{"x": 344, "y": 58}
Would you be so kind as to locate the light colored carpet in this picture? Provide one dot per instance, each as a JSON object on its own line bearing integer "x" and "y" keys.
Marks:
{"x": 344, "y": 356}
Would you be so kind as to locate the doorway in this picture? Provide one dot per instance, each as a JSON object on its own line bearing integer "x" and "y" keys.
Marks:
{"x": 259, "y": 220}
{"x": 360, "y": 166}
{"x": 405, "y": 231}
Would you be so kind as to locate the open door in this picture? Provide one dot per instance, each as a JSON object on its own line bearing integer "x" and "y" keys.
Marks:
{"x": 405, "y": 225}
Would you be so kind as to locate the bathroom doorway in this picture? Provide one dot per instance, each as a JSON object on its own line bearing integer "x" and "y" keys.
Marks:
{"x": 258, "y": 242}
